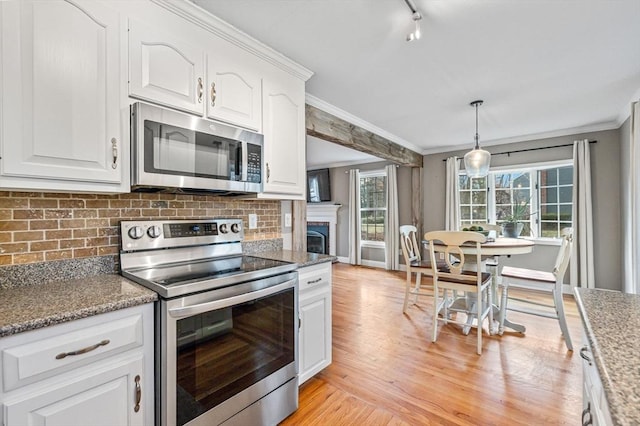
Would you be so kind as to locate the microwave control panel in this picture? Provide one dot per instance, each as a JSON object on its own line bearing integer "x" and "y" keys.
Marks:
{"x": 254, "y": 163}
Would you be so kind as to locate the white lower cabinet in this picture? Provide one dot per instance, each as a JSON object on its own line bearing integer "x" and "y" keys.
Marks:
{"x": 315, "y": 319}
{"x": 93, "y": 371}
{"x": 595, "y": 408}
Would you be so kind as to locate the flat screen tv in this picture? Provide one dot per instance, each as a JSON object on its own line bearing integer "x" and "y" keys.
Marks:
{"x": 318, "y": 186}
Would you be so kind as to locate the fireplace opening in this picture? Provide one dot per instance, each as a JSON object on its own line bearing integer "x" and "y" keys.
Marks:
{"x": 318, "y": 238}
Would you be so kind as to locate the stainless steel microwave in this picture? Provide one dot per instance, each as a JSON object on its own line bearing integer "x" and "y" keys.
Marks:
{"x": 177, "y": 152}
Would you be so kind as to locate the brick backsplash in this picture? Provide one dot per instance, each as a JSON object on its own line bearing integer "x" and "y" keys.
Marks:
{"x": 38, "y": 227}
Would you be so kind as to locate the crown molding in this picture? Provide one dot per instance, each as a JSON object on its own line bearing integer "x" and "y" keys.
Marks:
{"x": 600, "y": 127}
{"x": 204, "y": 19}
{"x": 626, "y": 111}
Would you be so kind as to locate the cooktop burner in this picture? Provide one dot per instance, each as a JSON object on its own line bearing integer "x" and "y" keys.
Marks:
{"x": 181, "y": 257}
{"x": 210, "y": 268}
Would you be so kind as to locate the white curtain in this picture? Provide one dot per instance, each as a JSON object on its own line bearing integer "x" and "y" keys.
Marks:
{"x": 391, "y": 226}
{"x": 452, "y": 195}
{"x": 582, "y": 271}
{"x": 355, "y": 257}
{"x": 631, "y": 234}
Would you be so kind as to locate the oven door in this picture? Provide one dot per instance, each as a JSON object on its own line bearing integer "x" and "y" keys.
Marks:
{"x": 223, "y": 350}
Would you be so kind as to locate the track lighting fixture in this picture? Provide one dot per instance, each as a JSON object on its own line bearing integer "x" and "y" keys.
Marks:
{"x": 416, "y": 16}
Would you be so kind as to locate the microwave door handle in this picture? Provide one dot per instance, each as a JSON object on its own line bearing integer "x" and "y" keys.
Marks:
{"x": 245, "y": 161}
{"x": 239, "y": 162}
{"x": 188, "y": 311}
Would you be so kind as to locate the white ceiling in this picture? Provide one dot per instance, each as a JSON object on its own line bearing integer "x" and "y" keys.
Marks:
{"x": 543, "y": 67}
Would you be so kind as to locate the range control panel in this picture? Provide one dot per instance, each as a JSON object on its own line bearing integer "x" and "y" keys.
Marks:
{"x": 152, "y": 234}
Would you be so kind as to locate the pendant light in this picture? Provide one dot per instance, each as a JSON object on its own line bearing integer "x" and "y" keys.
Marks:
{"x": 477, "y": 161}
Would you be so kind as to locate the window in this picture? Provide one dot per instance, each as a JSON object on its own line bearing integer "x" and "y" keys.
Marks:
{"x": 544, "y": 192}
{"x": 373, "y": 205}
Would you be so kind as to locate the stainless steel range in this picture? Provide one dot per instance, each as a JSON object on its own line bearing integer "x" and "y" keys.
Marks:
{"x": 226, "y": 323}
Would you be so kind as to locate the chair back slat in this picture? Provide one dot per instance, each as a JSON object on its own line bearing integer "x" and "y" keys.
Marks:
{"x": 564, "y": 254}
{"x": 410, "y": 247}
{"x": 452, "y": 240}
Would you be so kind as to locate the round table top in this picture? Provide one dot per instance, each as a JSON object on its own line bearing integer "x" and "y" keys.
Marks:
{"x": 502, "y": 246}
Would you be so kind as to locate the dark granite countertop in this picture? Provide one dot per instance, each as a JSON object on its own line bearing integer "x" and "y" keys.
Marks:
{"x": 301, "y": 258}
{"x": 28, "y": 307}
{"x": 612, "y": 324}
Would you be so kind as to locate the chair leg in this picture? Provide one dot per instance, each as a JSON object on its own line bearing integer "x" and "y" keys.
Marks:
{"x": 479, "y": 329}
{"x": 490, "y": 305}
{"x": 503, "y": 305}
{"x": 406, "y": 292}
{"x": 435, "y": 310}
{"x": 417, "y": 287}
{"x": 557, "y": 300}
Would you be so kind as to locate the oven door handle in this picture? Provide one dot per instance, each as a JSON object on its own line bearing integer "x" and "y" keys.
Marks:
{"x": 188, "y": 311}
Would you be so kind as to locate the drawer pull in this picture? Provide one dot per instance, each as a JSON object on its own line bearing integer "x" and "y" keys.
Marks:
{"x": 314, "y": 281}
{"x": 138, "y": 394}
{"x": 83, "y": 350}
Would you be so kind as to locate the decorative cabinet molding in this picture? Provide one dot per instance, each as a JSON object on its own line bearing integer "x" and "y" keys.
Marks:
{"x": 61, "y": 121}
{"x": 59, "y": 375}
{"x": 165, "y": 70}
{"x": 234, "y": 90}
{"x": 315, "y": 319}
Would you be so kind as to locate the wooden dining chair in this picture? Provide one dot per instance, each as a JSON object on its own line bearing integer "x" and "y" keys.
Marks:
{"x": 415, "y": 265}
{"x": 456, "y": 278}
{"x": 537, "y": 282}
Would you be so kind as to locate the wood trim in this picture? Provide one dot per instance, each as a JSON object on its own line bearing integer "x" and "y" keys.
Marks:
{"x": 334, "y": 129}
{"x": 299, "y": 226}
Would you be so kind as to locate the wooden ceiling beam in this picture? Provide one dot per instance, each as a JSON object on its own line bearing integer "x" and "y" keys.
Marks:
{"x": 323, "y": 125}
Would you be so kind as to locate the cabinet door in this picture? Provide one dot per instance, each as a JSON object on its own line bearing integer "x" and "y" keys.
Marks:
{"x": 315, "y": 332}
{"x": 165, "y": 70}
{"x": 108, "y": 396}
{"x": 284, "y": 138}
{"x": 234, "y": 89}
{"x": 60, "y": 91}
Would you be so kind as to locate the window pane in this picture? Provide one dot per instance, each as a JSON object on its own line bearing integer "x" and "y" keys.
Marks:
{"x": 465, "y": 213}
{"x": 566, "y": 175}
{"x": 565, "y": 212}
{"x": 521, "y": 181}
{"x": 479, "y": 183}
{"x": 465, "y": 197}
{"x": 503, "y": 197}
{"x": 564, "y": 225}
{"x": 549, "y": 229}
{"x": 521, "y": 195}
{"x": 464, "y": 182}
{"x": 503, "y": 180}
{"x": 479, "y": 214}
{"x": 479, "y": 197}
{"x": 549, "y": 195}
{"x": 566, "y": 193}
{"x": 549, "y": 177}
{"x": 548, "y": 212}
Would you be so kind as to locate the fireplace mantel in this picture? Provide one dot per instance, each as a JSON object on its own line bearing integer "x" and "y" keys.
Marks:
{"x": 325, "y": 213}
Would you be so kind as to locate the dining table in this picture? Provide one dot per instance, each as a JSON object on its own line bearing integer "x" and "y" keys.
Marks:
{"x": 493, "y": 248}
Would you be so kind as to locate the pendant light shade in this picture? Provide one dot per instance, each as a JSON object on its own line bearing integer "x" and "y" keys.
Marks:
{"x": 477, "y": 161}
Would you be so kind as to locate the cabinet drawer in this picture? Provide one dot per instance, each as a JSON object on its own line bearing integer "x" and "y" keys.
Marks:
{"x": 314, "y": 276}
{"x": 36, "y": 360}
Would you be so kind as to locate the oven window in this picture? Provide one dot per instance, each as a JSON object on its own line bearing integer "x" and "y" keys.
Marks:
{"x": 223, "y": 352}
{"x": 185, "y": 152}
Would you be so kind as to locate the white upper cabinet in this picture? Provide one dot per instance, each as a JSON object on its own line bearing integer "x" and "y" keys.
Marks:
{"x": 61, "y": 120}
{"x": 284, "y": 137}
{"x": 165, "y": 69}
{"x": 234, "y": 88}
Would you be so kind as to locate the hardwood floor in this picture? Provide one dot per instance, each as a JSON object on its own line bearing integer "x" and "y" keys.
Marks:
{"x": 386, "y": 370}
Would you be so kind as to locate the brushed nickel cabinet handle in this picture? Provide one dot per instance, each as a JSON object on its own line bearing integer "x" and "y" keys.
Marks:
{"x": 268, "y": 172}
{"x": 314, "y": 281}
{"x": 114, "y": 153}
{"x": 200, "y": 90}
{"x": 138, "y": 394}
{"x": 213, "y": 94}
{"x": 83, "y": 350}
